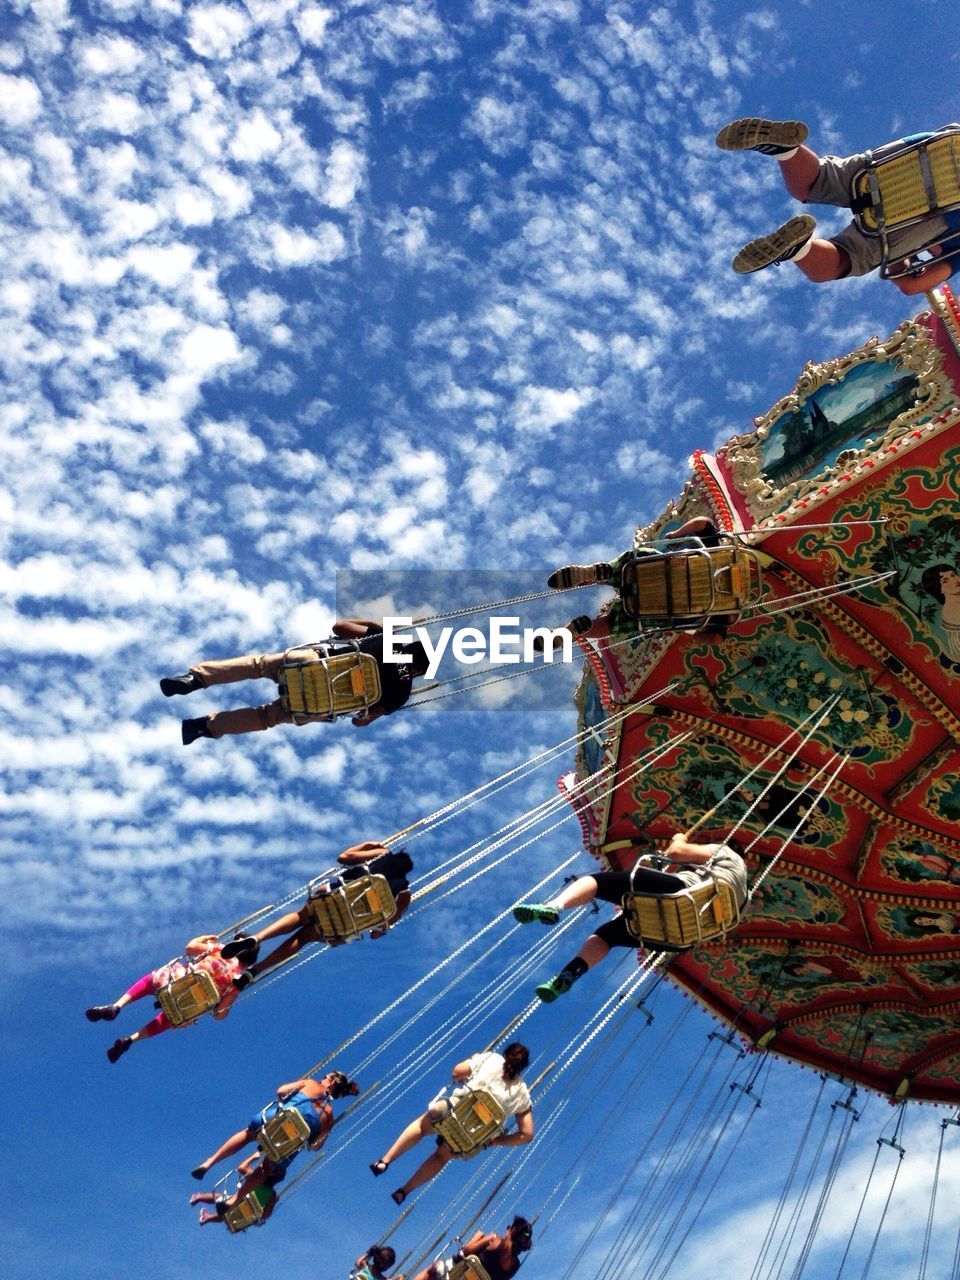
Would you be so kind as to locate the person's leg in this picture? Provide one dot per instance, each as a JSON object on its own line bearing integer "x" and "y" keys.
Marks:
{"x": 245, "y": 720}
{"x": 236, "y": 1142}
{"x": 577, "y": 894}
{"x": 410, "y": 1136}
{"x": 203, "y": 1197}
{"x": 429, "y": 1169}
{"x": 145, "y": 986}
{"x": 594, "y": 949}
{"x": 286, "y": 950}
{"x": 253, "y": 666}
{"x": 284, "y": 924}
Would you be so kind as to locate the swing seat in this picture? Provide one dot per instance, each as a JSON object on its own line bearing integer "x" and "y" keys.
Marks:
{"x": 248, "y": 1212}
{"x": 469, "y": 1123}
{"x": 918, "y": 182}
{"x": 284, "y": 1134}
{"x": 680, "y": 588}
{"x": 354, "y": 908}
{"x": 468, "y": 1268}
{"x": 189, "y": 997}
{"x": 678, "y": 921}
{"x": 329, "y": 686}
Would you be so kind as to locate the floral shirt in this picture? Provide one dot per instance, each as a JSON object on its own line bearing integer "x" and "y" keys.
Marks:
{"x": 212, "y": 962}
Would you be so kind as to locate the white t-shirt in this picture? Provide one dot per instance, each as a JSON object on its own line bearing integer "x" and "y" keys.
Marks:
{"x": 724, "y": 865}
{"x": 486, "y": 1072}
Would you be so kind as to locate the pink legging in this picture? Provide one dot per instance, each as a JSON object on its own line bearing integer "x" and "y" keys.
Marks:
{"x": 148, "y": 986}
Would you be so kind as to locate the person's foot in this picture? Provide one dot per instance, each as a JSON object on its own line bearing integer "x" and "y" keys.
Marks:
{"x": 579, "y": 575}
{"x": 378, "y": 1167}
{"x": 242, "y": 947}
{"x": 187, "y": 683}
{"x": 198, "y": 1197}
{"x": 118, "y": 1048}
{"x": 206, "y": 1217}
{"x": 243, "y": 980}
{"x": 191, "y": 730}
{"x": 398, "y": 1196}
{"x": 578, "y": 627}
{"x": 771, "y": 137}
{"x": 102, "y": 1013}
{"x": 200, "y": 1172}
{"x": 780, "y": 246}
{"x": 527, "y": 912}
{"x": 558, "y": 986}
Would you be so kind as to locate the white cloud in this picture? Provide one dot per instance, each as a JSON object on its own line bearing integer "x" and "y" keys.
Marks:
{"x": 215, "y": 30}
{"x": 293, "y": 247}
{"x": 255, "y": 139}
{"x": 19, "y": 101}
{"x": 110, "y": 55}
{"x": 344, "y": 173}
{"x": 541, "y": 408}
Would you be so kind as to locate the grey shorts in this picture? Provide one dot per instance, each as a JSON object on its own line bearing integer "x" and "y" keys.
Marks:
{"x": 833, "y": 186}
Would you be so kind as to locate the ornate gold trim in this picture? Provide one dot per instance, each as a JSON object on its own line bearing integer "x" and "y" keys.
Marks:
{"x": 912, "y": 347}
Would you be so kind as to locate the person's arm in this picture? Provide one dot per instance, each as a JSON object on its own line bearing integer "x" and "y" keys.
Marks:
{"x": 680, "y": 849}
{"x": 463, "y": 1070}
{"x": 403, "y": 901}
{"x": 932, "y": 275}
{"x": 356, "y": 628}
{"x": 285, "y": 1091}
{"x": 244, "y": 1167}
{"x": 523, "y": 1134}
{"x": 691, "y": 527}
{"x": 228, "y": 999}
{"x": 367, "y": 717}
{"x": 480, "y": 1240}
{"x": 362, "y": 852}
{"x": 201, "y": 945}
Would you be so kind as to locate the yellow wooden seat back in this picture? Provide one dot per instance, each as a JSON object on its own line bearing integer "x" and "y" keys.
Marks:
{"x": 189, "y": 997}
{"x": 471, "y": 1120}
{"x": 341, "y": 685}
{"x": 676, "y": 921}
{"x": 248, "y": 1211}
{"x": 916, "y": 183}
{"x": 354, "y": 908}
{"x": 283, "y": 1134}
{"x": 468, "y": 1268}
{"x": 690, "y": 584}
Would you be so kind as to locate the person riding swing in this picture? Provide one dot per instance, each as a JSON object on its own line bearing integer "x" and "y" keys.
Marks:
{"x": 705, "y": 889}
{"x": 345, "y": 675}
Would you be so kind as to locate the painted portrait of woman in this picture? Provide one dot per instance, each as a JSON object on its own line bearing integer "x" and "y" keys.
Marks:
{"x": 942, "y": 583}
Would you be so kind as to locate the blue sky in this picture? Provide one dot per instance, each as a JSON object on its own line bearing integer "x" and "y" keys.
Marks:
{"x": 292, "y": 288}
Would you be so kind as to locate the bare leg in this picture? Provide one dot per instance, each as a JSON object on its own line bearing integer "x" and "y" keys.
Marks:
{"x": 206, "y": 1218}
{"x": 203, "y": 1197}
{"x": 411, "y": 1135}
{"x": 578, "y": 894}
{"x": 429, "y": 1169}
{"x": 593, "y": 951}
{"x": 286, "y": 949}
{"x": 800, "y": 172}
{"x": 284, "y": 924}
{"x": 823, "y": 261}
{"x": 230, "y": 1148}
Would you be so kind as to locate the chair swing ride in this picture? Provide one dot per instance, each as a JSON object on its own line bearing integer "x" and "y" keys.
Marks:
{"x": 818, "y": 723}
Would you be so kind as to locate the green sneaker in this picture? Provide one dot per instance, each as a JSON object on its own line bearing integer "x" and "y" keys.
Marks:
{"x": 527, "y": 912}
{"x": 558, "y": 986}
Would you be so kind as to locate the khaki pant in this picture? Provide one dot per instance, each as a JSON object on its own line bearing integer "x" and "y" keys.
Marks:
{"x": 253, "y": 667}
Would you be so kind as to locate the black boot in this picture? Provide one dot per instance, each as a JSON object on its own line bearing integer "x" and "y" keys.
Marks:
{"x": 191, "y": 730}
{"x": 186, "y": 683}
{"x": 243, "y": 980}
{"x": 102, "y": 1013}
{"x": 119, "y": 1048}
{"x": 243, "y": 947}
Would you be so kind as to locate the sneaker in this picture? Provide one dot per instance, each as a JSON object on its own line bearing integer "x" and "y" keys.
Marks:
{"x": 243, "y": 980}
{"x": 780, "y": 246}
{"x": 191, "y": 730}
{"x": 579, "y": 575}
{"x": 242, "y": 947}
{"x": 558, "y": 986}
{"x": 119, "y": 1048}
{"x": 102, "y": 1013}
{"x": 770, "y": 137}
{"x": 186, "y": 683}
{"x": 577, "y": 627}
{"x": 527, "y": 912}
